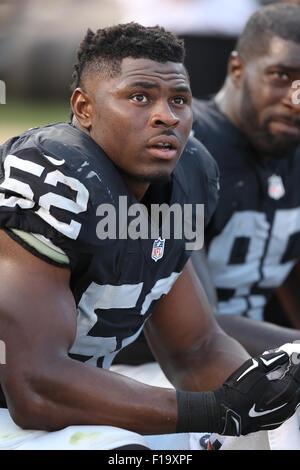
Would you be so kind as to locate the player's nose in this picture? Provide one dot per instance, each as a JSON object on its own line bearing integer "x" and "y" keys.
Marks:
{"x": 163, "y": 115}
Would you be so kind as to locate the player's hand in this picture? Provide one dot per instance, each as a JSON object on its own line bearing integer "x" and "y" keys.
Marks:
{"x": 263, "y": 393}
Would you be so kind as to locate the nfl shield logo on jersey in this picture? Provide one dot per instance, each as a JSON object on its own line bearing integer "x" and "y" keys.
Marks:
{"x": 275, "y": 189}
{"x": 158, "y": 249}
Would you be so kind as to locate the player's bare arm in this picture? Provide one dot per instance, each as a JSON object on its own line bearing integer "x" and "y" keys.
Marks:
{"x": 193, "y": 350}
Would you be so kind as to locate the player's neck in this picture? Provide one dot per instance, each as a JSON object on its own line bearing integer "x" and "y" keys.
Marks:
{"x": 228, "y": 105}
{"x": 138, "y": 188}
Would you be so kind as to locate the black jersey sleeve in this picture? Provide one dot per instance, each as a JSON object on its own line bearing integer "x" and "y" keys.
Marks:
{"x": 39, "y": 194}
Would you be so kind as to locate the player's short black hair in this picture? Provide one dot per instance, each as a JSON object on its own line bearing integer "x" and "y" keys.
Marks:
{"x": 105, "y": 49}
{"x": 282, "y": 20}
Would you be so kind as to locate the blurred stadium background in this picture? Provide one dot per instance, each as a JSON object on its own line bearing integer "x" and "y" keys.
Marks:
{"x": 38, "y": 42}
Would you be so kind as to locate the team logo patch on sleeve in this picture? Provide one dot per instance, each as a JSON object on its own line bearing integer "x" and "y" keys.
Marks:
{"x": 158, "y": 249}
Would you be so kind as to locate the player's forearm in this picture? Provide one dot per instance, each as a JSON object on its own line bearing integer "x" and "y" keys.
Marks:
{"x": 256, "y": 336}
{"x": 72, "y": 393}
{"x": 208, "y": 366}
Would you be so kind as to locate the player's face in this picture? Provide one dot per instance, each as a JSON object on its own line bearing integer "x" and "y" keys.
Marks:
{"x": 142, "y": 118}
{"x": 270, "y": 118}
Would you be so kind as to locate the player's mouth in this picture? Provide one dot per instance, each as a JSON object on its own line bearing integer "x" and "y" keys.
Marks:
{"x": 285, "y": 125}
{"x": 164, "y": 147}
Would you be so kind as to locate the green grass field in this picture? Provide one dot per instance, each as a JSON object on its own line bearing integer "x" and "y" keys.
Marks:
{"x": 17, "y": 116}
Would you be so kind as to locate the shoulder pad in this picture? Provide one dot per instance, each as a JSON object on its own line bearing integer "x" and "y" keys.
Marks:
{"x": 51, "y": 171}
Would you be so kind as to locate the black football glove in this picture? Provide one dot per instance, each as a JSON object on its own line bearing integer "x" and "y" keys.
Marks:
{"x": 262, "y": 394}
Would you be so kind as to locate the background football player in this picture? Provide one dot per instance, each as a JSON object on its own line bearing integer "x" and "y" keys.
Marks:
{"x": 252, "y": 128}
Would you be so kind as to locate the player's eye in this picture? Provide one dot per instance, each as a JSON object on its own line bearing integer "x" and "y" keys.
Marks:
{"x": 180, "y": 100}
{"x": 139, "y": 98}
{"x": 279, "y": 75}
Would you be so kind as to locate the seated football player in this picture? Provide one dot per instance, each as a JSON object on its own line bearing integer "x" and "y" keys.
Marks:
{"x": 253, "y": 239}
{"x": 77, "y": 284}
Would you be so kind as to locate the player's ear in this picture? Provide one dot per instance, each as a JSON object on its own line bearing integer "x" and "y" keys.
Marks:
{"x": 82, "y": 107}
{"x": 235, "y": 69}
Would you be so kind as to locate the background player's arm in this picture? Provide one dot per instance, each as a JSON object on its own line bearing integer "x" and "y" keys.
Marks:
{"x": 193, "y": 351}
{"x": 255, "y": 336}
{"x": 288, "y": 295}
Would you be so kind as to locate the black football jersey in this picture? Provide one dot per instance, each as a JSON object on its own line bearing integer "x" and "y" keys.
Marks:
{"x": 57, "y": 182}
{"x": 253, "y": 238}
